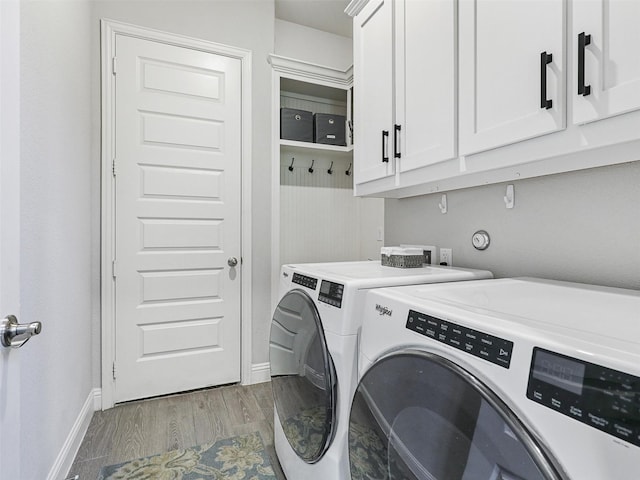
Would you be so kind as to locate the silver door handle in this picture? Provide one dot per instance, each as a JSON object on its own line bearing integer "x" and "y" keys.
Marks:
{"x": 232, "y": 262}
{"x": 14, "y": 334}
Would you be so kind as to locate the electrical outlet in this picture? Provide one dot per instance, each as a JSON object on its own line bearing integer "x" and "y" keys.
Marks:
{"x": 446, "y": 257}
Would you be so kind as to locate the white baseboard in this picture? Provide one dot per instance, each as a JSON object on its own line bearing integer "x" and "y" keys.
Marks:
{"x": 260, "y": 372}
{"x": 71, "y": 445}
{"x": 97, "y": 399}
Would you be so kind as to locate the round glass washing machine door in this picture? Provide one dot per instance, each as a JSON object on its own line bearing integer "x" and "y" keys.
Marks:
{"x": 419, "y": 416}
{"x": 303, "y": 377}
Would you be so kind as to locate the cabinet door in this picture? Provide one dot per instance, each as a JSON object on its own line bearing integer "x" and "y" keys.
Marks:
{"x": 608, "y": 65}
{"x": 425, "y": 81}
{"x": 504, "y": 82}
{"x": 373, "y": 92}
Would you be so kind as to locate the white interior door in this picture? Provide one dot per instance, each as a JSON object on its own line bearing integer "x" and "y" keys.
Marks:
{"x": 10, "y": 451}
{"x": 177, "y": 229}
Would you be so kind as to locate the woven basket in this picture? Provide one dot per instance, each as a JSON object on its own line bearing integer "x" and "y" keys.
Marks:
{"x": 402, "y": 261}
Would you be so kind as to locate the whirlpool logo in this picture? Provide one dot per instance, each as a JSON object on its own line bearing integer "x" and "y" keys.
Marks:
{"x": 383, "y": 310}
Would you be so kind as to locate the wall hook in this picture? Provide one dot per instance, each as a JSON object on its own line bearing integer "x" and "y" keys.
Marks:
{"x": 510, "y": 197}
{"x": 330, "y": 171}
{"x": 291, "y": 166}
{"x": 311, "y": 167}
{"x": 443, "y": 204}
{"x": 348, "y": 172}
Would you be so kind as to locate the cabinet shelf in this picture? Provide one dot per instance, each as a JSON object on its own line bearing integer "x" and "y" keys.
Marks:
{"x": 320, "y": 147}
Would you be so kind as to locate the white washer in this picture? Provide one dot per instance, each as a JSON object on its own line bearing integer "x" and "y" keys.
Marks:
{"x": 520, "y": 379}
{"x": 313, "y": 355}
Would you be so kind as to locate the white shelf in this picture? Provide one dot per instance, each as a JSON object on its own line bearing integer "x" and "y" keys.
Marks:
{"x": 316, "y": 146}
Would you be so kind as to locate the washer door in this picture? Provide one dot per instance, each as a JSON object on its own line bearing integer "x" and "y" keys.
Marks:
{"x": 302, "y": 376}
{"x": 418, "y": 416}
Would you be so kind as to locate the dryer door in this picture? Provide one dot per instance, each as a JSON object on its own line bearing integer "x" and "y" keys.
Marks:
{"x": 302, "y": 376}
{"x": 416, "y": 415}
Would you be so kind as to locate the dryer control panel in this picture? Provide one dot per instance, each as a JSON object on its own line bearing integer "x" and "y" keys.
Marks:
{"x": 305, "y": 281}
{"x": 600, "y": 397}
{"x": 331, "y": 293}
{"x": 479, "y": 344}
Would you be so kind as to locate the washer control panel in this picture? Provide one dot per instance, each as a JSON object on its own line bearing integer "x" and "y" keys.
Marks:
{"x": 305, "y": 281}
{"x": 603, "y": 398}
{"x": 482, "y": 345}
{"x": 331, "y": 293}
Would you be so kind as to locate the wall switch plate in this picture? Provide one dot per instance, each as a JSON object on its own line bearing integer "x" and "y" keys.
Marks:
{"x": 446, "y": 257}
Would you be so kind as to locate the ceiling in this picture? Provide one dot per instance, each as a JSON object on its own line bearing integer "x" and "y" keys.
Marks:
{"x": 326, "y": 15}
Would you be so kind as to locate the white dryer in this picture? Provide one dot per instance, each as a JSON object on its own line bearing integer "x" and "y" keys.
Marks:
{"x": 313, "y": 355}
{"x": 519, "y": 379}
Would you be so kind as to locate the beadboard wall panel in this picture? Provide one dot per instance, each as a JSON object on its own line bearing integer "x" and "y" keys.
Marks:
{"x": 320, "y": 219}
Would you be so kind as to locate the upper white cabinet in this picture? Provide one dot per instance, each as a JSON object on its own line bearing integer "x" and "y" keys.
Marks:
{"x": 404, "y": 77}
{"x": 373, "y": 100}
{"x": 425, "y": 82}
{"x": 606, "y": 58}
{"x": 512, "y": 71}
{"x": 459, "y": 93}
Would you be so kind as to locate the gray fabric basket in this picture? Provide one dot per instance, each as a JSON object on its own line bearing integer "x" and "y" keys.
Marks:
{"x": 402, "y": 261}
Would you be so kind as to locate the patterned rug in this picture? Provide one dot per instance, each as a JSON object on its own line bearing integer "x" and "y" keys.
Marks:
{"x": 236, "y": 458}
{"x": 305, "y": 431}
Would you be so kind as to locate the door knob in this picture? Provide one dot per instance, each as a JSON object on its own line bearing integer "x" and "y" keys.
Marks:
{"x": 232, "y": 262}
{"x": 14, "y": 334}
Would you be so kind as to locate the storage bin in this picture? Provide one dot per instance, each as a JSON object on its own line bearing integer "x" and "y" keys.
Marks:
{"x": 401, "y": 257}
{"x": 329, "y": 129}
{"x": 296, "y": 125}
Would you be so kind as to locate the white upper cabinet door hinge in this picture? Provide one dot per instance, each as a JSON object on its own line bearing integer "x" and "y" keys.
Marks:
{"x": 113, "y": 268}
{"x": 113, "y": 370}
{"x": 113, "y": 167}
{"x": 113, "y": 65}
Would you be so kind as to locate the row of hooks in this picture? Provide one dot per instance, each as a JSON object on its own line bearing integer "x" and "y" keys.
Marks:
{"x": 329, "y": 171}
{"x": 509, "y": 200}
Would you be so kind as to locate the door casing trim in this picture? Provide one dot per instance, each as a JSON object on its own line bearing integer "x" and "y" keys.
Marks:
{"x": 109, "y": 30}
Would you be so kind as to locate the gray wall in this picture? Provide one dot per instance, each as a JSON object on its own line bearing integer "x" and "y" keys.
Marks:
{"x": 581, "y": 226}
{"x": 55, "y": 219}
{"x": 246, "y": 24}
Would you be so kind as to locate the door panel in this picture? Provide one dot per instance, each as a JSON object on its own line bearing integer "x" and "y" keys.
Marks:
{"x": 439, "y": 423}
{"x": 500, "y": 71}
{"x": 302, "y": 376}
{"x": 11, "y": 455}
{"x": 177, "y": 219}
{"x": 426, "y": 57}
{"x": 373, "y": 70}
{"x": 611, "y": 65}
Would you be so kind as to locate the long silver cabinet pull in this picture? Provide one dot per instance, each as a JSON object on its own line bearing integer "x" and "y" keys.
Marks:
{"x": 14, "y": 334}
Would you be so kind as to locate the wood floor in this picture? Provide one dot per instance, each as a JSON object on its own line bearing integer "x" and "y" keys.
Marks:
{"x": 147, "y": 427}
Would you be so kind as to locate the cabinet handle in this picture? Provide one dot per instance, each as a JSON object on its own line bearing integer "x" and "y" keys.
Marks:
{"x": 396, "y": 141}
{"x": 583, "y": 41}
{"x": 545, "y": 59}
{"x": 385, "y": 146}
